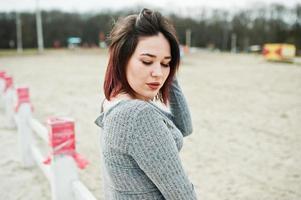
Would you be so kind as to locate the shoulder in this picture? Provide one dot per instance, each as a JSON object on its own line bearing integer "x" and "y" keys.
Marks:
{"x": 132, "y": 110}
{"x": 132, "y": 107}
{"x": 120, "y": 123}
{"x": 141, "y": 110}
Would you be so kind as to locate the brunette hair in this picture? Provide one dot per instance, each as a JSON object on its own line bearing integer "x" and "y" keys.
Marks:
{"x": 123, "y": 41}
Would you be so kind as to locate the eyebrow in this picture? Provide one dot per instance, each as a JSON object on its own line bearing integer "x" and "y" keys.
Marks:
{"x": 153, "y": 56}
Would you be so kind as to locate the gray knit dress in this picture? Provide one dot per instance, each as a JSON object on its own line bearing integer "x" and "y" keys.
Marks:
{"x": 140, "y": 146}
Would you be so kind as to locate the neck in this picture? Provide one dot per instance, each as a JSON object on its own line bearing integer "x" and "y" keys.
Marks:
{"x": 125, "y": 96}
{"x": 121, "y": 96}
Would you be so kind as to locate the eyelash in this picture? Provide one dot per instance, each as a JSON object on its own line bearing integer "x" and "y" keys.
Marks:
{"x": 149, "y": 63}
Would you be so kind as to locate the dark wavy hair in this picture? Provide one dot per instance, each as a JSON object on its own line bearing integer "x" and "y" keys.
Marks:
{"x": 123, "y": 40}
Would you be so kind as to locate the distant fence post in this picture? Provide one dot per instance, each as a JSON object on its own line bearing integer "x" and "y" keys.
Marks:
{"x": 2, "y": 86}
{"x": 23, "y": 111}
{"x": 2, "y": 83}
{"x": 9, "y": 99}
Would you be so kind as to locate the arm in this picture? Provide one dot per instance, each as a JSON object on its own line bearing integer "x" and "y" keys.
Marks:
{"x": 155, "y": 151}
{"x": 179, "y": 109}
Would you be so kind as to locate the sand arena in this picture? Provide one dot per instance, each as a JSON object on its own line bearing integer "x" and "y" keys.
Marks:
{"x": 246, "y": 116}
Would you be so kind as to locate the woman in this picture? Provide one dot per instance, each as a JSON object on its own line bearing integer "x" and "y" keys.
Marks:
{"x": 139, "y": 141}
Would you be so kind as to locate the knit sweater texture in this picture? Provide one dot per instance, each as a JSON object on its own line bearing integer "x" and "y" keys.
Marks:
{"x": 140, "y": 146}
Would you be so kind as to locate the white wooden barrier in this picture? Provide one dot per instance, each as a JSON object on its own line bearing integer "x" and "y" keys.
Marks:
{"x": 62, "y": 172}
{"x": 8, "y": 97}
{"x": 2, "y": 83}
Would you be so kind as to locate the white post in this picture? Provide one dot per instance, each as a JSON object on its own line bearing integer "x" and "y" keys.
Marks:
{"x": 2, "y": 83}
{"x": 64, "y": 171}
{"x": 19, "y": 33}
{"x": 25, "y": 134}
{"x": 23, "y": 115}
{"x": 39, "y": 28}
{"x": 2, "y": 86}
{"x": 9, "y": 108}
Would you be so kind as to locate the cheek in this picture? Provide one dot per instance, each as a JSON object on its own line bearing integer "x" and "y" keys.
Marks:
{"x": 137, "y": 70}
{"x": 166, "y": 72}
{"x": 134, "y": 72}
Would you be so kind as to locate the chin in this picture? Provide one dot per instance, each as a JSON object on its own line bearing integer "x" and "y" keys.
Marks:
{"x": 150, "y": 97}
{"x": 147, "y": 95}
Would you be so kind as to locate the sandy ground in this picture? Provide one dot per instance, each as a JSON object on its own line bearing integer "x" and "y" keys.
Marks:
{"x": 246, "y": 115}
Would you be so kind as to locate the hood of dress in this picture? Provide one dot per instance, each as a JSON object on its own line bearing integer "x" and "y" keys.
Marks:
{"x": 106, "y": 108}
{"x": 99, "y": 120}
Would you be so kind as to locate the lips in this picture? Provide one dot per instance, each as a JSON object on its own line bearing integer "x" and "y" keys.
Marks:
{"x": 153, "y": 85}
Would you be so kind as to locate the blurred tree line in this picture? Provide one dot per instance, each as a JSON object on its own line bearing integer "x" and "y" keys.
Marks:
{"x": 214, "y": 29}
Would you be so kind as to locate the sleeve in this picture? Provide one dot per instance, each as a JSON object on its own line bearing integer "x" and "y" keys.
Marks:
{"x": 155, "y": 151}
{"x": 179, "y": 109}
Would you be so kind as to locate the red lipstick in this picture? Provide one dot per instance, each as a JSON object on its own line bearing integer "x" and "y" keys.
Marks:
{"x": 153, "y": 85}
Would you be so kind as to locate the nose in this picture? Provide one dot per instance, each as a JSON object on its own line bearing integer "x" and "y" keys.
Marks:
{"x": 156, "y": 70}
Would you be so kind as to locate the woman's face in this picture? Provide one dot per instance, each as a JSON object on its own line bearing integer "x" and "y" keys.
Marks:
{"x": 148, "y": 67}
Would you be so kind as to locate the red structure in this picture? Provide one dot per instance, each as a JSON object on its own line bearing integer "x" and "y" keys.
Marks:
{"x": 62, "y": 139}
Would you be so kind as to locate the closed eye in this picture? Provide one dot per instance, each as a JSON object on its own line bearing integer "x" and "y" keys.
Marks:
{"x": 165, "y": 65}
{"x": 147, "y": 63}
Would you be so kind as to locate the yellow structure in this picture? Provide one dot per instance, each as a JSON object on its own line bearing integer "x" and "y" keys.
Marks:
{"x": 279, "y": 52}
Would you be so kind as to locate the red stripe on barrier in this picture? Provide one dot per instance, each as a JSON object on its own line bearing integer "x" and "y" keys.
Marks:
{"x": 62, "y": 140}
{"x": 8, "y": 82}
{"x": 22, "y": 97}
{"x": 2, "y": 74}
